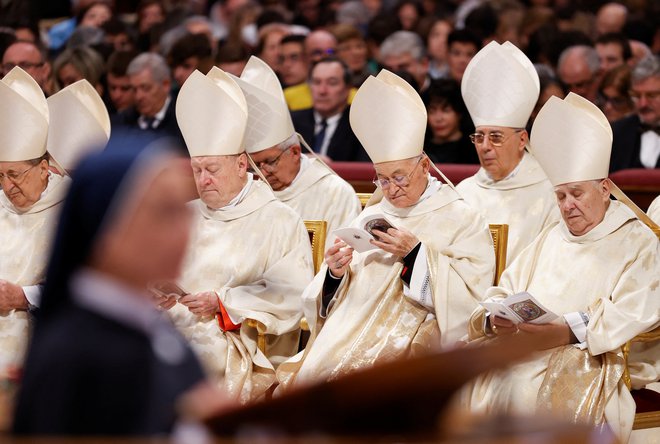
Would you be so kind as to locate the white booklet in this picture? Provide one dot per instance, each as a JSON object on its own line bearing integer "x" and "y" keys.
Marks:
{"x": 520, "y": 307}
{"x": 359, "y": 238}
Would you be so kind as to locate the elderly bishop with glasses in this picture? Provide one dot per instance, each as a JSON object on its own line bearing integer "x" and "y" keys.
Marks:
{"x": 416, "y": 290}
{"x": 500, "y": 88}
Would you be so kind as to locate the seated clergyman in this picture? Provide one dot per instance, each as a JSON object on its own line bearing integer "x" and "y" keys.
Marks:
{"x": 416, "y": 290}
{"x": 598, "y": 270}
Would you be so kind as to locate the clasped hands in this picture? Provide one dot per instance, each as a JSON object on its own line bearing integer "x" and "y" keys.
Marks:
{"x": 545, "y": 335}
{"x": 203, "y": 304}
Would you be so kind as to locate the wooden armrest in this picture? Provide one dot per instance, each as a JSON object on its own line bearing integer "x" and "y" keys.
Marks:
{"x": 649, "y": 336}
{"x": 304, "y": 326}
{"x": 261, "y": 333}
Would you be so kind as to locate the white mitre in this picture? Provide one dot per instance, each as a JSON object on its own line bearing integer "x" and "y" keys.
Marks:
{"x": 500, "y": 86}
{"x": 79, "y": 124}
{"x": 212, "y": 114}
{"x": 269, "y": 119}
{"x": 389, "y": 118}
{"x": 23, "y": 118}
{"x": 572, "y": 140}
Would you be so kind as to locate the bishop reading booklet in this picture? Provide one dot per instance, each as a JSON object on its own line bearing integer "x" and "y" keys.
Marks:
{"x": 359, "y": 238}
{"x": 520, "y": 307}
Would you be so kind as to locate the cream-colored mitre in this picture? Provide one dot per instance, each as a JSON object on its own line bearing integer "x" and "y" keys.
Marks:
{"x": 79, "y": 124}
{"x": 500, "y": 86}
{"x": 269, "y": 120}
{"x": 212, "y": 114}
{"x": 23, "y": 117}
{"x": 389, "y": 118}
{"x": 572, "y": 140}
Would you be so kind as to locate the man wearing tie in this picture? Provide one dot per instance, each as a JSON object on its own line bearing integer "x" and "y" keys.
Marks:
{"x": 326, "y": 124}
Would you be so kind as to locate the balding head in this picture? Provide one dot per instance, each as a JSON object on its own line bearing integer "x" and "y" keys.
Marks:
{"x": 579, "y": 69}
{"x": 610, "y": 18}
{"x": 319, "y": 45}
{"x": 29, "y": 57}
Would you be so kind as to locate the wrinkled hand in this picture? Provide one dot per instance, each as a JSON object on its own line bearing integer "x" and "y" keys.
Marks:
{"x": 201, "y": 304}
{"x": 163, "y": 302}
{"x": 11, "y": 297}
{"x": 547, "y": 335}
{"x": 501, "y": 326}
{"x": 339, "y": 257}
{"x": 397, "y": 241}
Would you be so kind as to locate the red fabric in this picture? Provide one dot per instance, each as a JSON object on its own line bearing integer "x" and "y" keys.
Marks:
{"x": 364, "y": 171}
{"x": 646, "y": 400}
{"x": 224, "y": 321}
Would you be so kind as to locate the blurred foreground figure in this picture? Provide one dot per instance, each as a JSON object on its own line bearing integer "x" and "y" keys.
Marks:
{"x": 102, "y": 359}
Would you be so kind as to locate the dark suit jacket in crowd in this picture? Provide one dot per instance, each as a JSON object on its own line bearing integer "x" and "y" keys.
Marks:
{"x": 627, "y": 144}
{"x": 343, "y": 146}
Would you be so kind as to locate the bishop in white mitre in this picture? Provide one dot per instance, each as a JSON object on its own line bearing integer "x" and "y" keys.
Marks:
{"x": 415, "y": 292}
{"x": 500, "y": 88}
{"x": 249, "y": 256}
{"x": 598, "y": 270}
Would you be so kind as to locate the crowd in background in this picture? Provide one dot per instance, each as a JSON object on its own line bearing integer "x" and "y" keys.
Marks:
{"x": 138, "y": 54}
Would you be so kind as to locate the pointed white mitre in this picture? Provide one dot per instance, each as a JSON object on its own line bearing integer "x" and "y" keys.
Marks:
{"x": 389, "y": 118}
{"x": 500, "y": 86}
{"x": 269, "y": 120}
{"x": 23, "y": 117}
{"x": 572, "y": 140}
{"x": 79, "y": 124}
{"x": 212, "y": 114}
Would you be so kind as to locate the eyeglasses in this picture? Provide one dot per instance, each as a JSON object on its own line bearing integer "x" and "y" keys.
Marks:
{"x": 25, "y": 66}
{"x": 15, "y": 178}
{"x": 496, "y": 138}
{"x": 618, "y": 103}
{"x": 270, "y": 165}
{"x": 651, "y": 95}
{"x": 399, "y": 181}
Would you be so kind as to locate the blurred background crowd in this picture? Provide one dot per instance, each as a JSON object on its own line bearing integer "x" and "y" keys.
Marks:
{"x": 138, "y": 54}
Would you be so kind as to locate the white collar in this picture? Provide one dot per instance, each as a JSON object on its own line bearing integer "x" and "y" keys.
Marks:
{"x": 240, "y": 196}
{"x": 305, "y": 162}
{"x": 328, "y": 120}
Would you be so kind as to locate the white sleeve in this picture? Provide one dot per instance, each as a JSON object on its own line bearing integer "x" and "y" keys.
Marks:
{"x": 33, "y": 294}
{"x": 578, "y": 322}
{"x": 420, "y": 282}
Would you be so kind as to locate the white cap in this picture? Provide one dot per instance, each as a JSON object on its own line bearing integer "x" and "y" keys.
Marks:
{"x": 572, "y": 140}
{"x": 389, "y": 118}
{"x": 269, "y": 120}
{"x": 500, "y": 86}
{"x": 23, "y": 118}
{"x": 212, "y": 114}
{"x": 79, "y": 124}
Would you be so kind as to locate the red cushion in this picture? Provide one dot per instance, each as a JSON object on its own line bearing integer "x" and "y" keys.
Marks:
{"x": 646, "y": 400}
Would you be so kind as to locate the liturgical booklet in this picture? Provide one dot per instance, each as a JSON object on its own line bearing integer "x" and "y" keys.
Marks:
{"x": 168, "y": 289}
{"x": 520, "y": 307}
{"x": 359, "y": 238}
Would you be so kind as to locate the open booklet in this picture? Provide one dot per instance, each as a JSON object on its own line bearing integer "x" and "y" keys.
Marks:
{"x": 167, "y": 289}
{"x": 520, "y": 307}
{"x": 359, "y": 238}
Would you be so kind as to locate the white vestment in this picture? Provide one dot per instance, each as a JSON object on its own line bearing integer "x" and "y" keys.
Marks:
{"x": 370, "y": 320}
{"x": 612, "y": 274}
{"x": 25, "y": 239}
{"x": 654, "y": 210}
{"x": 256, "y": 256}
{"x": 525, "y": 201}
{"x": 319, "y": 194}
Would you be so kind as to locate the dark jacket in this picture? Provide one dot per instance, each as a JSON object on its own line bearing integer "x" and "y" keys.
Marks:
{"x": 626, "y": 145}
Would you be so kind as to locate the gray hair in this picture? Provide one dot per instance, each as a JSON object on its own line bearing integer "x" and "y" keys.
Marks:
{"x": 403, "y": 42}
{"x": 153, "y": 62}
{"x": 588, "y": 53}
{"x": 85, "y": 60}
{"x": 292, "y": 140}
{"x": 646, "y": 68}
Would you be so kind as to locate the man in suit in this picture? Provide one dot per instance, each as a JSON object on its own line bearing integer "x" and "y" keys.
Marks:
{"x": 326, "y": 123}
{"x": 636, "y": 141}
{"x": 152, "y": 115}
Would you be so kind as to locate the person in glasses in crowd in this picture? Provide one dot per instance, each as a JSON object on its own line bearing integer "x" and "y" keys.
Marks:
{"x": 500, "y": 88}
{"x": 414, "y": 291}
{"x": 613, "y": 94}
{"x": 32, "y": 59}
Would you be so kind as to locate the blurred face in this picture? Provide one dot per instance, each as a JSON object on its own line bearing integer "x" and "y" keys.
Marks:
{"x": 235, "y": 68}
{"x": 278, "y": 167}
{"x": 96, "y": 16}
{"x": 120, "y": 42}
{"x": 271, "y": 50}
{"x": 150, "y": 95}
{"x": 444, "y": 122}
{"x": 354, "y": 53}
{"x": 150, "y": 16}
{"x": 408, "y": 17}
{"x": 219, "y": 178}
{"x": 437, "y": 41}
{"x": 319, "y": 45}
{"x": 499, "y": 161}
{"x": 646, "y": 97}
{"x": 121, "y": 92}
{"x": 329, "y": 91}
{"x": 68, "y": 74}
{"x": 23, "y": 183}
{"x": 583, "y": 204}
{"x": 578, "y": 79}
{"x": 458, "y": 57}
{"x": 615, "y": 106}
{"x": 182, "y": 72}
{"x": 28, "y": 57}
{"x": 406, "y": 62}
{"x": 293, "y": 65}
{"x": 406, "y": 180}
{"x": 149, "y": 245}
{"x": 610, "y": 55}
